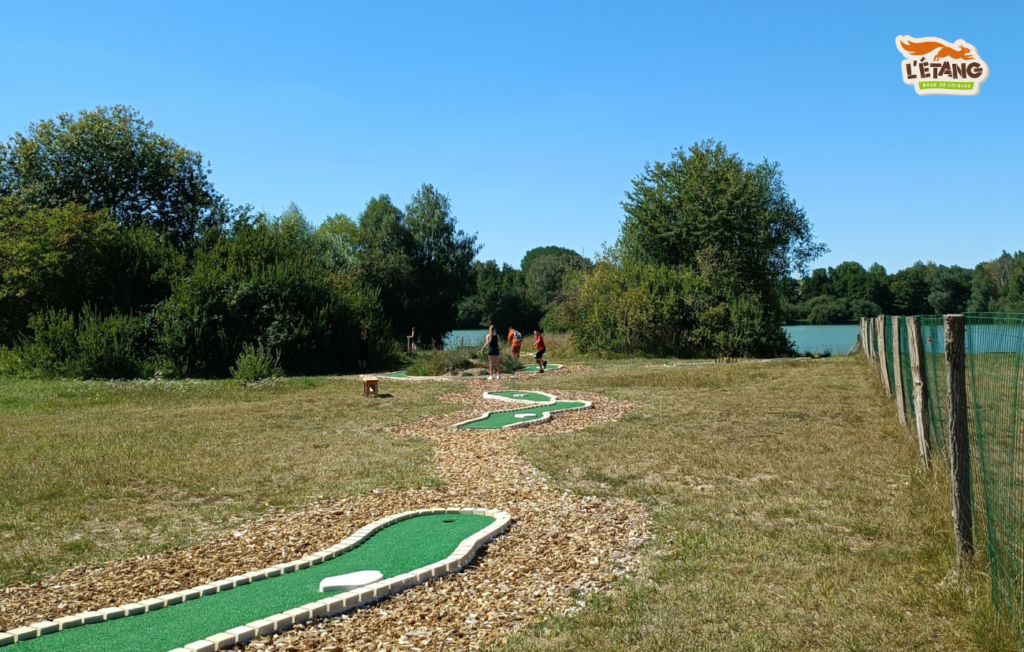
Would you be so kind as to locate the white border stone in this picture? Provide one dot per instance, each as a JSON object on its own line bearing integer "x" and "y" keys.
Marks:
{"x": 551, "y": 397}
{"x": 334, "y": 605}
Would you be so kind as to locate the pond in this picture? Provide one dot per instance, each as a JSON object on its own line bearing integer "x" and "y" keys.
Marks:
{"x": 808, "y": 339}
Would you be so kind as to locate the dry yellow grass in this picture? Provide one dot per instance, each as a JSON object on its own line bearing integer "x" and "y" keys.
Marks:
{"x": 788, "y": 509}
{"x": 790, "y": 513}
{"x": 94, "y": 471}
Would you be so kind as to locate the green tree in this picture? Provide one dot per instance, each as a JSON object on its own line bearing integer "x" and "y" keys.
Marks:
{"x": 500, "y": 299}
{"x": 706, "y": 198}
{"x": 707, "y": 202}
{"x": 950, "y": 289}
{"x": 543, "y": 252}
{"x": 910, "y": 289}
{"x": 111, "y": 160}
{"x": 441, "y": 256}
{"x": 65, "y": 258}
{"x": 545, "y": 273}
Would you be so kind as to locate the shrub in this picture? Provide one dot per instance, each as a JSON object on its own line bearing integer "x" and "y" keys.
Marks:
{"x": 277, "y": 282}
{"x": 255, "y": 364}
{"x": 631, "y": 308}
{"x": 89, "y": 346}
{"x": 438, "y": 362}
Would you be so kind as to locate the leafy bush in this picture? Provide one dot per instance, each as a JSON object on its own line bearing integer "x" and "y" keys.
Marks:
{"x": 255, "y": 364}
{"x": 631, "y": 308}
{"x": 439, "y": 362}
{"x": 89, "y": 346}
{"x": 277, "y": 282}
{"x": 507, "y": 363}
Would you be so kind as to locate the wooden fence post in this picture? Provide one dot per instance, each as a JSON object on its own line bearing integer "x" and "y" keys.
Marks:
{"x": 865, "y": 347}
{"x": 920, "y": 387}
{"x": 883, "y": 367}
{"x": 897, "y": 372}
{"x": 959, "y": 445}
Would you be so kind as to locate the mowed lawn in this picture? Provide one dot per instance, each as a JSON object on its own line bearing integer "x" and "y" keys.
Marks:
{"x": 91, "y": 471}
{"x": 790, "y": 514}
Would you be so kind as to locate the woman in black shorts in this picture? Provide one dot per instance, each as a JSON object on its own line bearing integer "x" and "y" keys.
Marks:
{"x": 493, "y": 368}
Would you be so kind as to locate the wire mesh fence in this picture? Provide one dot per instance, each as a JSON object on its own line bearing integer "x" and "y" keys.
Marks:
{"x": 994, "y": 358}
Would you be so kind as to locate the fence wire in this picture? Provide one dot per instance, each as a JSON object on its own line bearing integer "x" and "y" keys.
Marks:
{"x": 994, "y": 348}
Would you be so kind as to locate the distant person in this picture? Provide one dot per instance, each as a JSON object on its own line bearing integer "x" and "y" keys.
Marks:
{"x": 412, "y": 340}
{"x": 491, "y": 344}
{"x": 364, "y": 348}
{"x": 539, "y": 348}
{"x": 515, "y": 341}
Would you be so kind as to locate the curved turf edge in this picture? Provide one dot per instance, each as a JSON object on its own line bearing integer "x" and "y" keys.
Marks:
{"x": 337, "y": 604}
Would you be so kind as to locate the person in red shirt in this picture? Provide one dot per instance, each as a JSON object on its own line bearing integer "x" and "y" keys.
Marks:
{"x": 538, "y": 346}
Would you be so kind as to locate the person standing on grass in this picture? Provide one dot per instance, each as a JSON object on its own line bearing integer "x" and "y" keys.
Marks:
{"x": 515, "y": 341}
{"x": 412, "y": 340}
{"x": 364, "y": 348}
{"x": 539, "y": 348}
{"x": 491, "y": 344}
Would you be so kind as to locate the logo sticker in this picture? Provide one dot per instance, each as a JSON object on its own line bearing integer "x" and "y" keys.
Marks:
{"x": 936, "y": 67}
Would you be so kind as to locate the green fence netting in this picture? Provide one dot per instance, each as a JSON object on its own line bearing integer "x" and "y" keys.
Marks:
{"x": 906, "y": 380}
{"x": 887, "y": 337}
{"x": 935, "y": 376}
{"x": 995, "y": 347}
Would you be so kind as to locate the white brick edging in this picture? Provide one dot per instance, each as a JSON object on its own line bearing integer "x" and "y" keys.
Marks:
{"x": 544, "y": 417}
{"x": 551, "y": 397}
{"x": 331, "y": 606}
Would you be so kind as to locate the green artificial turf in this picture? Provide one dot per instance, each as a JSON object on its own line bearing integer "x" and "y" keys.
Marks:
{"x": 397, "y": 374}
{"x": 397, "y": 549}
{"x": 532, "y": 368}
{"x": 502, "y": 419}
{"x": 533, "y": 397}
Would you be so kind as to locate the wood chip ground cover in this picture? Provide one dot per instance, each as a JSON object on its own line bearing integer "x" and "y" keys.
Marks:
{"x": 561, "y": 548}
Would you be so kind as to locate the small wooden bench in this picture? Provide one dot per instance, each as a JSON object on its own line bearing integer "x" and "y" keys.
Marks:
{"x": 370, "y": 387}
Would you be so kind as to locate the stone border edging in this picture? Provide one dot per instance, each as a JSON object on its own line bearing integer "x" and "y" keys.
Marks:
{"x": 334, "y": 605}
{"x": 716, "y": 364}
{"x": 544, "y": 418}
{"x": 492, "y": 395}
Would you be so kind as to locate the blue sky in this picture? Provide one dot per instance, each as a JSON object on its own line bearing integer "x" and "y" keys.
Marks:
{"x": 534, "y": 117}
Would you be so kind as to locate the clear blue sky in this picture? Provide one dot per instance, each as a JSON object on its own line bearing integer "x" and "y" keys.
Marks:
{"x": 534, "y": 118}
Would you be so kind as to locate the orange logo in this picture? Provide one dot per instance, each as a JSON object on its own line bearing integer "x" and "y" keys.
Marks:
{"x": 937, "y": 67}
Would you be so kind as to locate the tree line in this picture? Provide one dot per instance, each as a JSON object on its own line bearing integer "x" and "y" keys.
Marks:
{"x": 118, "y": 258}
{"x": 847, "y": 292}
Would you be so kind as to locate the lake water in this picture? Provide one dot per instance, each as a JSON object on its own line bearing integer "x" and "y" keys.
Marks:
{"x": 808, "y": 339}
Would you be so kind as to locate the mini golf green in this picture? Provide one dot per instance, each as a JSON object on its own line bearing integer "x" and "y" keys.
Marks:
{"x": 531, "y": 397}
{"x": 532, "y": 368}
{"x": 497, "y": 420}
{"x": 396, "y": 374}
{"x": 400, "y": 548}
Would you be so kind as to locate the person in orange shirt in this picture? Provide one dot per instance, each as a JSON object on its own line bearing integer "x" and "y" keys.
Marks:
{"x": 515, "y": 341}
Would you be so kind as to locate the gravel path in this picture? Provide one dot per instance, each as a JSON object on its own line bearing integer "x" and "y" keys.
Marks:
{"x": 560, "y": 548}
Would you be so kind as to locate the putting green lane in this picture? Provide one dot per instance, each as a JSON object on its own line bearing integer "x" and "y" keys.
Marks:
{"x": 399, "y": 548}
{"x": 532, "y": 368}
{"x": 525, "y": 414}
{"x": 533, "y": 397}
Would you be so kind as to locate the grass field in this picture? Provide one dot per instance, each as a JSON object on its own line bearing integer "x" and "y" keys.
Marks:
{"x": 93, "y": 470}
{"x": 789, "y": 509}
{"x": 791, "y": 515}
